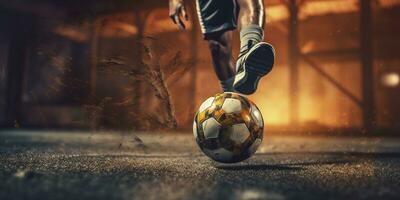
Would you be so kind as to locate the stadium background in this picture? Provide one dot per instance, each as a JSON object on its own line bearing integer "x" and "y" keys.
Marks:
{"x": 123, "y": 65}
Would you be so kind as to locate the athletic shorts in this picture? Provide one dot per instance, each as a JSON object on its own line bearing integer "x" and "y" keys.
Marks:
{"x": 217, "y": 16}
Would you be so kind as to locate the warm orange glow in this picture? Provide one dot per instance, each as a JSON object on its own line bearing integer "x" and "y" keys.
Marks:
{"x": 276, "y": 13}
{"x": 391, "y": 79}
{"x": 388, "y": 3}
{"x": 327, "y": 7}
{"x": 320, "y": 103}
{"x": 309, "y": 46}
{"x": 71, "y": 32}
{"x": 272, "y": 97}
{"x": 129, "y": 28}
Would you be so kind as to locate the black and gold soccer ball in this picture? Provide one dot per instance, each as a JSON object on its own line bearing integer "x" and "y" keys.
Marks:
{"x": 228, "y": 127}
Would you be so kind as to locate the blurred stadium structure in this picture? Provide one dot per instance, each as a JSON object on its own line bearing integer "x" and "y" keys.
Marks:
{"x": 123, "y": 65}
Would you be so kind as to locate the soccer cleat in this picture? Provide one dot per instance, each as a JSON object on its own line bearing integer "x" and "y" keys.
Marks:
{"x": 252, "y": 65}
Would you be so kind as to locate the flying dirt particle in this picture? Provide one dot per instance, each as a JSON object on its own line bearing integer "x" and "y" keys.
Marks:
{"x": 24, "y": 174}
{"x": 137, "y": 139}
{"x": 138, "y": 142}
{"x": 253, "y": 193}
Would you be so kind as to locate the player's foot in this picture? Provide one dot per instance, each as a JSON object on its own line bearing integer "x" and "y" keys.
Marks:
{"x": 252, "y": 65}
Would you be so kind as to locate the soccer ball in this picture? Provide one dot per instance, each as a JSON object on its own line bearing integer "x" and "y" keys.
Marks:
{"x": 228, "y": 127}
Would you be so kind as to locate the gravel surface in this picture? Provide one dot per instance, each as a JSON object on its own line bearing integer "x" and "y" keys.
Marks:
{"x": 105, "y": 165}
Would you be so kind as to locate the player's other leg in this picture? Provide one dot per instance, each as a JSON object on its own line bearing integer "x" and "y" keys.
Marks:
{"x": 256, "y": 57}
{"x": 221, "y": 53}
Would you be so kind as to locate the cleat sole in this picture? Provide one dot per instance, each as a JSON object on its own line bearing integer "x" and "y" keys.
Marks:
{"x": 258, "y": 63}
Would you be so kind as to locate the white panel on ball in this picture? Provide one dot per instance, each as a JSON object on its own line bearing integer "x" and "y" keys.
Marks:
{"x": 232, "y": 106}
{"x": 211, "y": 128}
{"x": 257, "y": 116}
{"x": 195, "y": 129}
{"x": 239, "y": 133}
{"x": 206, "y": 104}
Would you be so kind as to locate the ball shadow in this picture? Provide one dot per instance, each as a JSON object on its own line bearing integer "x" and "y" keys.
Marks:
{"x": 256, "y": 167}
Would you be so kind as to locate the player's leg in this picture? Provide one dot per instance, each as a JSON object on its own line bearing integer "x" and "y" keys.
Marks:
{"x": 256, "y": 57}
{"x": 217, "y": 20}
{"x": 221, "y": 54}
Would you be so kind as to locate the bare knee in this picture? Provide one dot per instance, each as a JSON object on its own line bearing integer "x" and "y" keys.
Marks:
{"x": 221, "y": 44}
{"x": 215, "y": 46}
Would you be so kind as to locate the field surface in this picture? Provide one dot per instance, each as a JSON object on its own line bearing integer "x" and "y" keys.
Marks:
{"x": 105, "y": 165}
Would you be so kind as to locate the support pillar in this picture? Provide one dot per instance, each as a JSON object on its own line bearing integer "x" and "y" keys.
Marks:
{"x": 293, "y": 63}
{"x": 366, "y": 58}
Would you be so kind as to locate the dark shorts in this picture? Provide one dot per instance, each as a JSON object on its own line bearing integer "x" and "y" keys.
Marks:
{"x": 217, "y": 16}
